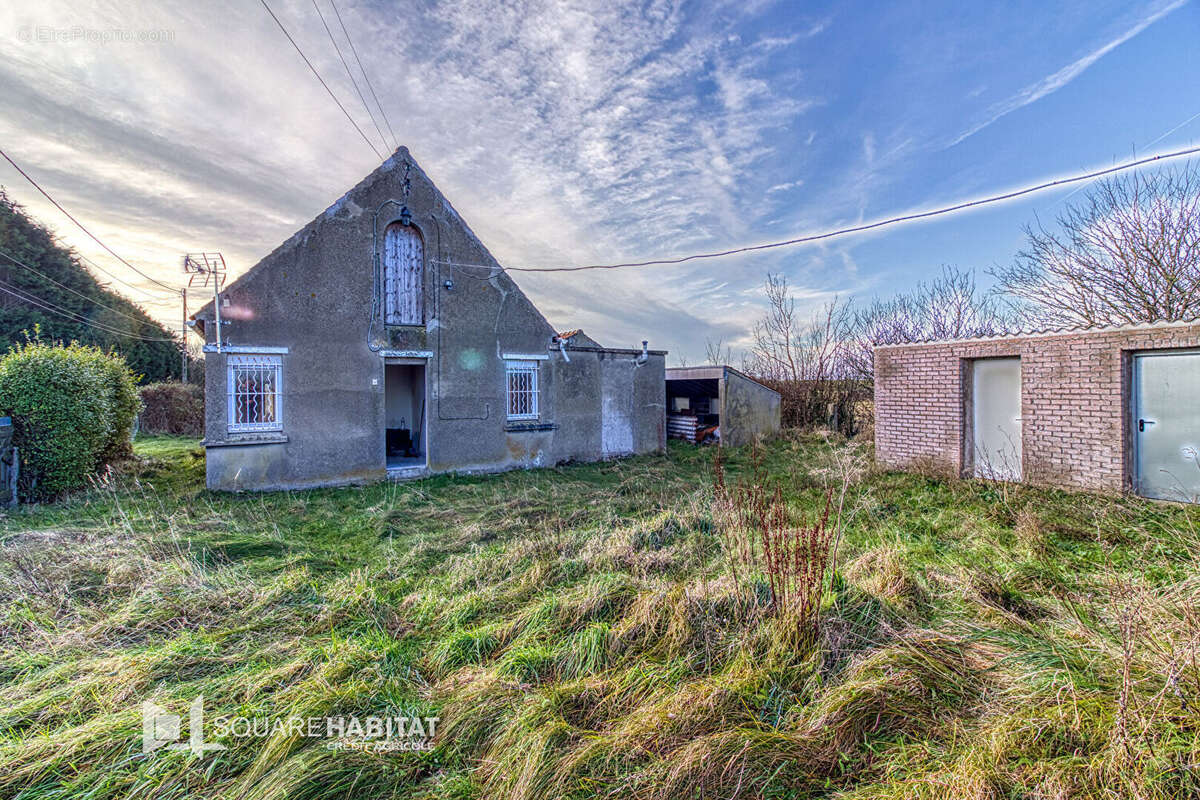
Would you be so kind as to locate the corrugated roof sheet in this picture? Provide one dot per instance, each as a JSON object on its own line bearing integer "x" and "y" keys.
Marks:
{"x": 1030, "y": 333}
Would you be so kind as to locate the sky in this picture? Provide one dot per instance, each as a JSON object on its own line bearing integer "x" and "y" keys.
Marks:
{"x": 594, "y": 131}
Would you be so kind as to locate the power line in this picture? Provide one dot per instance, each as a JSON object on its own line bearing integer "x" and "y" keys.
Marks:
{"x": 46, "y": 305}
{"x": 349, "y": 74}
{"x": 363, "y": 69}
{"x": 80, "y": 224}
{"x": 155, "y": 297}
{"x": 72, "y": 316}
{"x": 322, "y": 80}
{"x": 1151, "y": 143}
{"x": 69, "y": 289}
{"x": 856, "y": 228}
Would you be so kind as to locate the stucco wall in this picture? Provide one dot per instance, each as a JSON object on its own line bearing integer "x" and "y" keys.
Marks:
{"x": 313, "y": 295}
{"x": 748, "y": 409}
{"x": 1074, "y": 402}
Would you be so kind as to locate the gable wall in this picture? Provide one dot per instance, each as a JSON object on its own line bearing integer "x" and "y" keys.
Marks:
{"x": 313, "y": 295}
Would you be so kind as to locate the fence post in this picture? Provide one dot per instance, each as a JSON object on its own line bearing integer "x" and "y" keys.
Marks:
{"x": 8, "y": 464}
{"x": 14, "y": 474}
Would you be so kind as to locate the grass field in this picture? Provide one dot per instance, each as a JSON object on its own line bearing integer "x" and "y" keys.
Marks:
{"x": 576, "y": 632}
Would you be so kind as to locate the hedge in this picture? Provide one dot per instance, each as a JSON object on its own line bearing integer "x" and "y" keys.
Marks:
{"x": 126, "y": 403}
{"x": 173, "y": 408}
{"x": 73, "y": 409}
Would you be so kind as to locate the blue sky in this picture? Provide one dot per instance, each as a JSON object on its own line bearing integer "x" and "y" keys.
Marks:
{"x": 588, "y": 131}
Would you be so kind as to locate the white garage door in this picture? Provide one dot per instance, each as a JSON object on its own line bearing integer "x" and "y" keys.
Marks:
{"x": 996, "y": 401}
{"x": 1166, "y": 425}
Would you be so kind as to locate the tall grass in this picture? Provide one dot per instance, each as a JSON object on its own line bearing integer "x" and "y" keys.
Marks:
{"x": 765, "y": 538}
{"x": 596, "y": 631}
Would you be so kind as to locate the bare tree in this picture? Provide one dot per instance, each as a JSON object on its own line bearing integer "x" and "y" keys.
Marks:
{"x": 790, "y": 349}
{"x": 1129, "y": 253}
{"x": 716, "y": 352}
{"x": 823, "y": 365}
{"x": 948, "y": 307}
{"x": 805, "y": 360}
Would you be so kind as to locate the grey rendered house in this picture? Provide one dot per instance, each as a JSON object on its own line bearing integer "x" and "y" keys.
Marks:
{"x": 383, "y": 339}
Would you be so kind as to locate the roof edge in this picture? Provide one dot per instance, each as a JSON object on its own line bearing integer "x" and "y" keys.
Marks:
{"x": 620, "y": 350}
{"x": 724, "y": 369}
{"x": 1045, "y": 334}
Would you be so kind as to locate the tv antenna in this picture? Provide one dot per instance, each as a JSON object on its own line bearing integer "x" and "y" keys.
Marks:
{"x": 204, "y": 270}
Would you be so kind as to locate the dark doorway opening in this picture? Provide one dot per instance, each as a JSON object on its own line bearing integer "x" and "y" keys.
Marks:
{"x": 694, "y": 408}
{"x": 404, "y": 390}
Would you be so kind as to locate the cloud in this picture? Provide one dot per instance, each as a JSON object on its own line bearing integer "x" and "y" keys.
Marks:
{"x": 868, "y": 145}
{"x": 565, "y": 133}
{"x": 562, "y": 133}
{"x": 1052, "y": 83}
{"x": 783, "y": 187}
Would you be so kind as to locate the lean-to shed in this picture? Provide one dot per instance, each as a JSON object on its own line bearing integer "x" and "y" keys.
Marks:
{"x": 720, "y": 401}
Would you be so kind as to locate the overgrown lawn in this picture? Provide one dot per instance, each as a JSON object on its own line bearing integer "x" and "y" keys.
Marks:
{"x": 577, "y": 634}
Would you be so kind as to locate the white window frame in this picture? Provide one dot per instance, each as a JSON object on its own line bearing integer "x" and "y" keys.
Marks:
{"x": 257, "y": 361}
{"x": 530, "y": 405}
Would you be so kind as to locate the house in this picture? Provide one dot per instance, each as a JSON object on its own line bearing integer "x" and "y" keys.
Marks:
{"x": 383, "y": 339}
{"x": 1105, "y": 409}
{"x": 703, "y": 401}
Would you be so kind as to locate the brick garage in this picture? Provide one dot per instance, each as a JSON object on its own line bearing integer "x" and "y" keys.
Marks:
{"x": 1077, "y": 426}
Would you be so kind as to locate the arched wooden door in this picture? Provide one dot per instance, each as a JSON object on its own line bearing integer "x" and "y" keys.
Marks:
{"x": 404, "y": 276}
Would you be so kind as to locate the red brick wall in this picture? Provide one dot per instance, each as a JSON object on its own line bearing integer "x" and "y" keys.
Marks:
{"x": 1074, "y": 409}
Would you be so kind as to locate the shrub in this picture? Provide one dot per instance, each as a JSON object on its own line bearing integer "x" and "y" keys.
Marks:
{"x": 173, "y": 408}
{"x": 121, "y": 386}
{"x": 836, "y": 404}
{"x": 763, "y": 536}
{"x": 72, "y": 408}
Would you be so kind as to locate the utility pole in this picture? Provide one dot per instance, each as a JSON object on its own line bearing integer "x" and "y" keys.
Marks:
{"x": 183, "y": 369}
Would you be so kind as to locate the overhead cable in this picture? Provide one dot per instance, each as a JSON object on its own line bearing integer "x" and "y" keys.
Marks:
{"x": 322, "y": 80}
{"x": 80, "y": 224}
{"x": 816, "y": 237}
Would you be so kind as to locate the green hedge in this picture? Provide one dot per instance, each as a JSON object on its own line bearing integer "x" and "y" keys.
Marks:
{"x": 173, "y": 408}
{"x": 73, "y": 409}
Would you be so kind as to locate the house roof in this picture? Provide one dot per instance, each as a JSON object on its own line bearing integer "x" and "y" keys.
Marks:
{"x": 1039, "y": 333}
{"x": 576, "y": 338}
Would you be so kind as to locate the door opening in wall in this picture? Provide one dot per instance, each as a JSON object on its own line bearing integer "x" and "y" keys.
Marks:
{"x": 694, "y": 408}
{"x": 1166, "y": 425}
{"x": 996, "y": 418}
{"x": 405, "y": 433}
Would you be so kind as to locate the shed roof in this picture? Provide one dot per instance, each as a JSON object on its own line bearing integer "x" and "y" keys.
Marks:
{"x": 709, "y": 372}
{"x": 696, "y": 373}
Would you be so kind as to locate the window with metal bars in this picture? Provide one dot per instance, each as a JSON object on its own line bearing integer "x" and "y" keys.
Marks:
{"x": 522, "y": 389}
{"x": 255, "y": 387}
